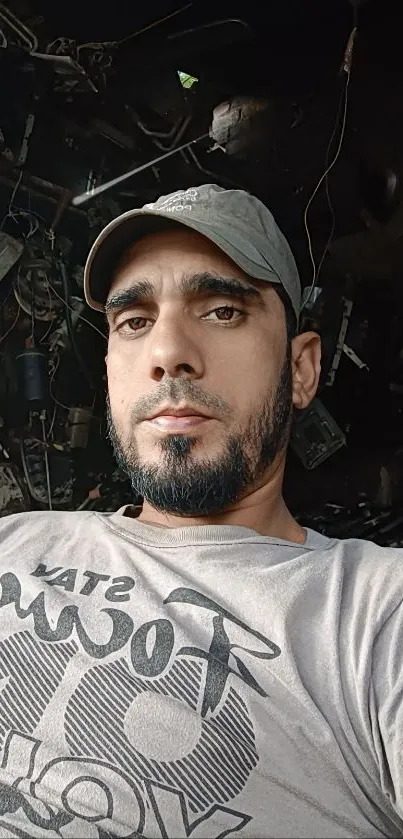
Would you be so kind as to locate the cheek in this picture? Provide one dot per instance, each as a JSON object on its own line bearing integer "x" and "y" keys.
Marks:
{"x": 252, "y": 369}
{"x": 122, "y": 383}
{"x": 122, "y": 363}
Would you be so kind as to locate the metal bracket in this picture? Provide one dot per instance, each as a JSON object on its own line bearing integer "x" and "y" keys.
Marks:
{"x": 355, "y": 358}
{"x": 347, "y": 309}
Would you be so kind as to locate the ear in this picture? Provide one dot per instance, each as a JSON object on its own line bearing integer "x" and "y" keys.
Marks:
{"x": 306, "y": 355}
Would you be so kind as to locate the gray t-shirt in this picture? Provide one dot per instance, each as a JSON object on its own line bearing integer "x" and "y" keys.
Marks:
{"x": 197, "y": 682}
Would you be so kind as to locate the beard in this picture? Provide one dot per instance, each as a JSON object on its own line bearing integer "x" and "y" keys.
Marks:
{"x": 184, "y": 486}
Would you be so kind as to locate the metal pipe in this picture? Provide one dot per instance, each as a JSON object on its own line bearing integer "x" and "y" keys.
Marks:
{"x": 210, "y": 25}
{"x": 24, "y": 33}
{"x": 162, "y": 135}
{"x": 173, "y": 135}
{"x": 178, "y": 136}
{"x": 85, "y": 196}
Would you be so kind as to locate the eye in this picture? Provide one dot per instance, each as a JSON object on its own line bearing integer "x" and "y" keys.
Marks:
{"x": 133, "y": 324}
{"x": 224, "y": 313}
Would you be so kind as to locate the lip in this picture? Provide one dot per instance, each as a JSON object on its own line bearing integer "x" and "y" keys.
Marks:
{"x": 177, "y": 425}
{"x": 177, "y": 420}
{"x": 187, "y": 411}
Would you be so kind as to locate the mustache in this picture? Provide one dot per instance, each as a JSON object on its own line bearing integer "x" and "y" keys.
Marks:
{"x": 176, "y": 391}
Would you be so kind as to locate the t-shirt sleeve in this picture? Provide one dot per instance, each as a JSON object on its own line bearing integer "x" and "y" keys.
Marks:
{"x": 386, "y": 707}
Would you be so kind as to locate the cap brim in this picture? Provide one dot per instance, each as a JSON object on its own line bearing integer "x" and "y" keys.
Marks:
{"x": 127, "y": 229}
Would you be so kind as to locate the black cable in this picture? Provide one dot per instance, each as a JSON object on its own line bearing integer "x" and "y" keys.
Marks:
{"x": 33, "y": 308}
{"x": 327, "y": 185}
{"x": 70, "y": 328}
{"x": 46, "y": 457}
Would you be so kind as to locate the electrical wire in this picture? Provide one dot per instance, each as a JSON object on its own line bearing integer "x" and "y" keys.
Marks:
{"x": 81, "y": 317}
{"x": 156, "y": 23}
{"x": 50, "y": 316}
{"x": 70, "y": 328}
{"x": 14, "y": 212}
{"x": 14, "y": 192}
{"x": 52, "y": 396}
{"x": 9, "y": 213}
{"x": 49, "y": 434}
{"x": 3, "y": 337}
{"x": 59, "y": 404}
{"x": 56, "y": 401}
{"x": 30, "y": 212}
{"x": 347, "y": 70}
{"x": 32, "y": 229}
{"x": 327, "y": 184}
{"x": 32, "y": 336}
{"x": 46, "y": 457}
{"x": 8, "y": 295}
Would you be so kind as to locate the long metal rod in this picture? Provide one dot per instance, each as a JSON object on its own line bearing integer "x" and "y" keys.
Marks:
{"x": 92, "y": 193}
{"x": 45, "y": 450}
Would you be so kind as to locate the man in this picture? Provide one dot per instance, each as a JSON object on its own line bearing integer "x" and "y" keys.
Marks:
{"x": 204, "y": 667}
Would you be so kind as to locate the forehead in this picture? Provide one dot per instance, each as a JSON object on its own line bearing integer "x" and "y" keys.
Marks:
{"x": 173, "y": 253}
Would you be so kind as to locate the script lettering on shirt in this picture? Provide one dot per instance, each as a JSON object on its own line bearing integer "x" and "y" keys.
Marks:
{"x": 152, "y": 645}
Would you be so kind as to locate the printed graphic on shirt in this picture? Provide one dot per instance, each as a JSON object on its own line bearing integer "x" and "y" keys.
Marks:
{"x": 156, "y": 738}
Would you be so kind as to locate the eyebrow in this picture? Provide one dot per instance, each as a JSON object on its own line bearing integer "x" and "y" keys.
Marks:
{"x": 203, "y": 283}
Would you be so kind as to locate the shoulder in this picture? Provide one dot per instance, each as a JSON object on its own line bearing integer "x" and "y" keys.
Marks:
{"x": 358, "y": 555}
{"x": 364, "y": 557}
{"x": 363, "y": 580}
{"x": 44, "y": 528}
{"x": 369, "y": 578}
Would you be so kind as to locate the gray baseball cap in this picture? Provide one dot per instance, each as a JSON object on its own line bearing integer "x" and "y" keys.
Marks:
{"x": 234, "y": 220}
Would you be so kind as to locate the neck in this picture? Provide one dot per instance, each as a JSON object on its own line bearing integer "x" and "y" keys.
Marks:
{"x": 263, "y": 509}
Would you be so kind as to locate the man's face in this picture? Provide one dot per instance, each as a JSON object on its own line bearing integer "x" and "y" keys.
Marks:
{"x": 199, "y": 375}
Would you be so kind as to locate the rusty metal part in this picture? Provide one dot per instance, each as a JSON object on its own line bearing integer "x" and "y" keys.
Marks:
{"x": 62, "y": 206}
{"x": 36, "y": 186}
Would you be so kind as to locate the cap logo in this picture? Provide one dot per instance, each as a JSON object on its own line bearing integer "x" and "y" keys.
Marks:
{"x": 177, "y": 202}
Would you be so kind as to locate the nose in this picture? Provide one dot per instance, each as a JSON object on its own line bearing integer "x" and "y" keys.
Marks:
{"x": 174, "y": 350}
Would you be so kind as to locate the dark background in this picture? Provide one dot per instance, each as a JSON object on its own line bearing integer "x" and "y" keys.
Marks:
{"x": 100, "y": 89}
